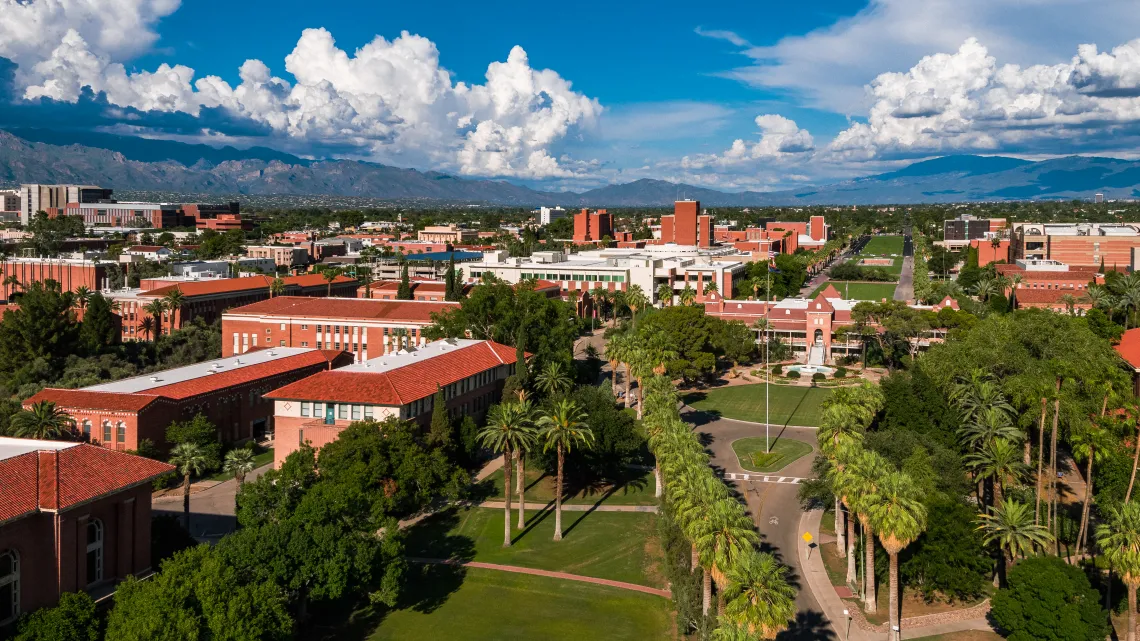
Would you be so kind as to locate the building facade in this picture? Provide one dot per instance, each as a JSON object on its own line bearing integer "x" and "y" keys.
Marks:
{"x": 688, "y": 225}
{"x": 228, "y": 391}
{"x": 69, "y": 273}
{"x": 592, "y": 227}
{"x": 1078, "y": 244}
{"x": 364, "y": 328}
{"x": 314, "y": 411}
{"x": 73, "y": 517}
{"x": 450, "y": 234}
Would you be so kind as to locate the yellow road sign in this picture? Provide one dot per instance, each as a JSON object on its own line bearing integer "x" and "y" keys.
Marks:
{"x": 807, "y": 537}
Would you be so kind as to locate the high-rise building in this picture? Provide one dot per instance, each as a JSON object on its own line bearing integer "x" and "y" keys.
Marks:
{"x": 1099, "y": 198}
{"x": 54, "y": 198}
{"x": 593, "y": 227}
{"x": 687, "y": 225}
{"x": 547, "y": 215}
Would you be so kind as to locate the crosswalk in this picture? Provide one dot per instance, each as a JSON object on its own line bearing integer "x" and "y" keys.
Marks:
{"x": 763, "y": 478}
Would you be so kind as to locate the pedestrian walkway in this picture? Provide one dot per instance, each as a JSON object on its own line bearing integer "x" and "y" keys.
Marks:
{"x": 569, "y": 507}
{"x": 547, "y": 573}
{"x": 755, "y": 477}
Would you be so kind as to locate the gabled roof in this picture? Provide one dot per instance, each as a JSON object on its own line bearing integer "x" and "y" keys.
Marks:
{"x": 245, "y": 283}
{"x": 821, "y": 304}
{"x": 346, "y": 308}
{"x": 399, "y": 385}
{"x": 830, "y": 292}
{"x": 1045, "y": 296}
{"x": 1129, "y": 348}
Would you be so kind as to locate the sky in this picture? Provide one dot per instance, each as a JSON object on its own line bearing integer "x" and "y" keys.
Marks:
{"x": 728, "y": 95}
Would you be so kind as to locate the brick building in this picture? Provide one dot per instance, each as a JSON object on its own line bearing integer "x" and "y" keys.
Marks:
{"x": 1082, "y": 244}
{"x": 1129, "y": 350}
{"x": 365, "y": 328}
{"x": 422, "y": 289}
{"x": 69, "y": 273}
{"x": 72, "y": 517}
{"x": 282, "y": 256}
{"x": 450, "y": 234}
{"x": 228, "y": 391}
{"x": 592, "y": 227}
{"x": 687, "y": 225}
{"x": 316, "y": 409}
{"x": 208, "y": 299}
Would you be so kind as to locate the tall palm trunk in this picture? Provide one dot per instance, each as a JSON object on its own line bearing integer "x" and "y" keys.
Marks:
{"x": 1040, "y": 458}
{"x": 893, "y": 616}
{"x": 520, "y": 486}
{"x": 1053, "y": 461}
{"x": 1135, "y": 460}
{"x": 706, "y": 593}
{"x": 628, "y": 380}
{"x": 1082, "y": 533}
{"x": 694, "y": 560}
{"x": 507, "y": 498}
{"x": 870, "y": 599}
{"x": 657, "y": 484}
{"x": 558, "y": 498}
{"x": 640, "y": 398}
{"x": 613, "y": 377}
{"x": 186, "y": 499}
{"x": 852, "y": 576}
{"x": 840, "y": 542}
{"x": 1131, "y": 634}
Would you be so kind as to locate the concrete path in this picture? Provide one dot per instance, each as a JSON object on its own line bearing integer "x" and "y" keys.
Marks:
{"x": 905, "y": 289}
{"x": 569, "y": 507}
{"x": 211, "y": 508}
{"x": 547, "y": 573}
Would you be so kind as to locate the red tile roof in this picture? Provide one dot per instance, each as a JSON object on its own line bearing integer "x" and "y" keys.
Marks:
{"x": 348, "y": 308}
{"x": 206, "y": 383}
{"x": 246, "y": 283}
{"x": 85, "y": 472}
{"x": 1129, "y": 347}
{"x": 145, "y": 248}
{"x": 311, "y": 280}
{"x": 401, "y": 385}
{"x": 1046, "y": 296}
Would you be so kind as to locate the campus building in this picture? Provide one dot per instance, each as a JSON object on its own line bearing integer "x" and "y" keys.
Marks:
{"x": 364, "y": 328}
{"x": 448, "y": 234}
{"x": 958, "y": 232}
{"x": 617, "y": 269}
{"x": 422, "y": 289}
{"x": 47, "y": 198}
{"x": 1079, "y": 244}
{"x": 688, "y": 225}
{"x": 70, "y": 273}
{"x": 806, "y": 325}
{"x": 592, "y": 227}
{"x": 1129, "y": 350}
{"x": 228, "y": 391}
{"x": 314, "y": 410}
{"x": 72, "y": 517}
{"x": 208, "y": 299}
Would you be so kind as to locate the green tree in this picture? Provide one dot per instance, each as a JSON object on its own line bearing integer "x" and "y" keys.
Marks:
{"x": 1011, "y": 526}
{"x": 73, "y": 619}
{"x": 507, "y": 431}
{"x": 758, "y": 596}
{"x": 1119, "y": 539}
{"x": 36, "y": 338}
{"x": 899, "y": 517}
{"x": 157, "y": 309}
{"x": 97, "y": 332}
{"x": 404, "y": 291}
{"x": 560, "y": 429}
{"x": 174, "y": 300}
{"x": 199, "y": 431}
{"x": 277, "y": 287}
{"x": 190, "y": 460}
{"x": 43, "y": 421}
{"x": 553, "y": 380}
{"x": 239, "y": 462}
{"x": 722, "y": 538}
{"x": 440, "y": 433}
{"x": 1049, "y": 600}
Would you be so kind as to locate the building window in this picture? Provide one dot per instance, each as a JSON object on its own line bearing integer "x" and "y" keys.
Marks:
{"x": 106, "y": 431}
{"x": 94, "y": 551}
{"x": 305, "y": 409}
{"x": 303, "y": 326}
{"x": 9, "y": 586}
{"x": 318, "y": 344}
{"x": 120, "y": 432}
{"x": 356, "y": 412}
{"x": 367, "y": 411}
{"x": 282, "y": 325}
{"x": 342, "y": 411}
{"x": 318, "y": 409}
{"x": 304, "y": 343}
{"x": 86, "y": 429}
{"x": 281, "y": 343}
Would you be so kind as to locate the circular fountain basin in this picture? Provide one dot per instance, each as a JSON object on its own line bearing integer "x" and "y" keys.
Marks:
{"x": 808, "y": 370}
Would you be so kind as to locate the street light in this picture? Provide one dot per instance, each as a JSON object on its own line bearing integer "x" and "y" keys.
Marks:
{"x": 847, "y": 634}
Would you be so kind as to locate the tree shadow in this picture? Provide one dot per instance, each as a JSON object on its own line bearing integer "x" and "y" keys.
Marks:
{"x": 434, "y": 537}
{"x": 808, "y": 626}
{"x": 533, "y": 521}
{"x": 431, "y": 585}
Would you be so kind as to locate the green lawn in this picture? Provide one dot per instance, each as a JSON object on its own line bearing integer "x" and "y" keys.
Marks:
{"x": 608, "y": 545}
{"x": 791, "y": 405}
{"x": 259, "y": 459}
{"x": 489, "y": 605}
{"x": 750, "y": 452}
{"x": 860, "y": 291}
{"x": 636, "y": 490}
{"x": 883, "y": 246}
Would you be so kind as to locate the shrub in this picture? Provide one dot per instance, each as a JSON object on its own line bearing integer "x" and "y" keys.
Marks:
{"x": 841, "y": 372}
{"x": 794, "y": 374}
{"x": 1049, "y": 600}
{"x": 818, "y": 376}
{"x": 778, "y": 370}
{"x": 74, "y": 619}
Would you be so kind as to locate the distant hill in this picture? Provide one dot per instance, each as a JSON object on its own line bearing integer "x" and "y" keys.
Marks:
{"x": 136, "y": 164}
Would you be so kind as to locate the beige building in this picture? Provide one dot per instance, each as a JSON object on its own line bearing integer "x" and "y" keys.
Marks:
{"x": 284, "y": 256}
{"x": 448, "y": 234}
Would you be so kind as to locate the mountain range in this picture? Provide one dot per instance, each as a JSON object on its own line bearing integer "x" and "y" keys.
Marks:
{"x": 131, "y": 163}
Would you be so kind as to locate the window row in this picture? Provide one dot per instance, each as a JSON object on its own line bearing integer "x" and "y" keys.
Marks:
{"x": 589, "y": 278}
{"x": 341, "y": 411}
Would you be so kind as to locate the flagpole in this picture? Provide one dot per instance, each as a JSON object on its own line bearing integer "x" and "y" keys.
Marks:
{"x": 767, "y": 372}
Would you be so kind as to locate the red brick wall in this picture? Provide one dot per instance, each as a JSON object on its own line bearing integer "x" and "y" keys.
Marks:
{"x": 1090, "y": 250}
{"x": 685, "y": 222}
{"x": 818, "y": 228}
{"x": 667, "y": 229}
{"x": 704, "y": 231}
{"x": 70, "y": 276}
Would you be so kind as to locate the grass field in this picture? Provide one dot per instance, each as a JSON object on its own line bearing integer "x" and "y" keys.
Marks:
{"x": 791, "y": 405}
{"x": 750, "y": 453}
{"x": 489, "y": 605}
{"x": 860, "y": 291}
{"x": 883, "y": 246}
{"x": 637, "y": 490}
{"x": 621, "y": 546}
{"x": 261, "y": 458}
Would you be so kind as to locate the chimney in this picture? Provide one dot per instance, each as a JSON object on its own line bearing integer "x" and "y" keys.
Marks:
{"x": 48, "y": 479}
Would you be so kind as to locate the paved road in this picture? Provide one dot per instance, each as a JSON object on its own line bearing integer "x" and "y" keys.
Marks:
{"x": 774, "y": 507}
{"x": 211, "y": 510}
{"x": 905, "y": 290}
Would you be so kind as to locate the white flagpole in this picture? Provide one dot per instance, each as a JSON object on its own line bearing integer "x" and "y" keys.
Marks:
{"x": 767, "y": 372}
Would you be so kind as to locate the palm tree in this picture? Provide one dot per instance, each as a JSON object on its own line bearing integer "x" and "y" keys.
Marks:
{"x": 156, "y": 308}
{"x": 623, "y": 348}
{"x": 561, "y": 428}
{"x": 1119, "y": 540}
{"x": 1092, "y": 442}
{"x": 634, "y": 299}
{"x": 758, "y": 595}
{"x": 1132, "y": 414}
{"x": 82, "y": 295}
{"x": 999, "y": 460}
{"x": 174, "y": 302}
{"x": 710, "y": 288}
{"x": 553, "y": 380}
{"x": 1070, "y": 303}
{"x": 1010, "y": 525}
{"x": 147, "y": 326}
{"x": 867, "y": 470}
{"x": 984, "y": 289}
{"x": 757, "y": 284}
{"x": 523, "y": 447}
{"x": 899, "y": 517}
{"x": 507, "y": 429}
{"x": 330, "y": 275}
{"x": 601, "y": 297}
{"x": 11, "y": 283}
{"x": 1096, "y": 295}
{"x": 665, "y": 294}
{"x": 239, "y": 462}
{"x": 277, "y": 288}
{"x": 43, "y": 421}
{"x": 688, "y": 295}
{"x": 723, "y": 538}
{"x": 190, "y": 460}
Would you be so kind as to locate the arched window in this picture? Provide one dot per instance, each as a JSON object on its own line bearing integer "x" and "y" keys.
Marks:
{"x": 9, "y": 586}
{"x": 106, "y": 432}
{"x": 87, "y": 429}
{"x": 94, "y": 551}
{"x": 120, "y": 432}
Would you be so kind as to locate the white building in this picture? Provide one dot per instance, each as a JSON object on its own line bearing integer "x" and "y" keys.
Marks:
{"x": 547, "y": 215}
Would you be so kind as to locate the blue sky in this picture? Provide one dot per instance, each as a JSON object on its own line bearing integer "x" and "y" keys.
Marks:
{"x": 733, "y": 95}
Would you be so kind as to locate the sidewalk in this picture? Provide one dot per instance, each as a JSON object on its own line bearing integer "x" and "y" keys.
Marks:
{"x": 567, "y": 507}
{"x": 555, "y": 575}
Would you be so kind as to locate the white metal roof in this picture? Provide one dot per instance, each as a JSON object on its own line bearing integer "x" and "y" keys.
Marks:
{"x": 13, "y": 447}
{"x": 198, "y": 370}
{"x": 389, "y": 362}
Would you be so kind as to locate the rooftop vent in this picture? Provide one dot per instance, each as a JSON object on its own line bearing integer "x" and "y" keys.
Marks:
{"x": 155, "y": 379}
